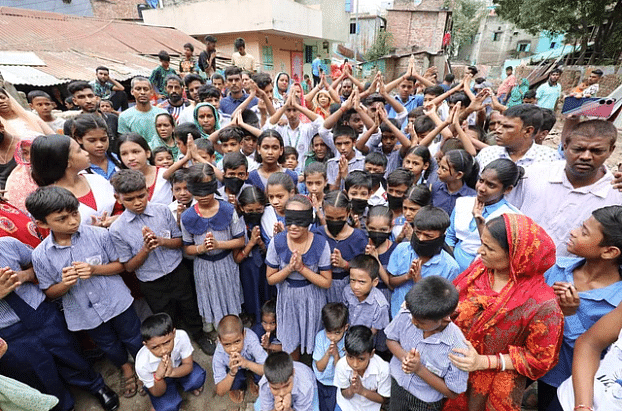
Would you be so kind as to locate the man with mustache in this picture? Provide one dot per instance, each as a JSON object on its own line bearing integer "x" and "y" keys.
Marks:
{"x": 175, "y": 102}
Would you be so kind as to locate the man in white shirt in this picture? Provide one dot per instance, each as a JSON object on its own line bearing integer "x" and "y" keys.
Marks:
{"x": 561, "y": 195}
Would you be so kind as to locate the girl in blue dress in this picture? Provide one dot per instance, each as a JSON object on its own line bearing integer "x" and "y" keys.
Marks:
{"x": 269, "y": 156}
{"x": 279, "y": 190}
{"x": 299, "y": 265}
{"x": 345, "y": 242}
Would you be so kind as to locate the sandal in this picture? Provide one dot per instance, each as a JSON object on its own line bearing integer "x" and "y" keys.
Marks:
{"x": 130, "y": 386}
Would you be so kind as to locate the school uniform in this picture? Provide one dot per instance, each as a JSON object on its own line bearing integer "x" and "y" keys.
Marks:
{"x": 147, "y": 364}
{"x": 41, "y": 352}
{"x": 375, "y": 378}
{"x": 259, "y": 331}
{"x": 259, "y": 181}
{"x": 251, "y": 351}
{"x": 101, "y": 305}
{"x": 349, "y": 247}
{"x": 378, "y": 197}
{"x": 372, "y": 312}
{"x": 332, "y": 168}
{"x": 409, "y": 391}
{"x": 300, "y": 138}
{"x": 299, "y": 302}
{"x": 445, "y": 200}
{"x": 441, "y": 264}
{"x": 327, "y": 392}
{"x": 303, "y": 390}
{"x": 161, "y": 191}
{"x": 165, "y": 282}
{"x": 268, "y": 219}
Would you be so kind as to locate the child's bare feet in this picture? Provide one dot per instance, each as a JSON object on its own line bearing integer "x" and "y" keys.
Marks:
{"x": 253, "y": 388}
{"x": 197, "y": 392}
{"x": 237, "y": 396}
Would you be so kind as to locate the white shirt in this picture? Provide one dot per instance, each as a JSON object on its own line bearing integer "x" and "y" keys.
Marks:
{"x": 546, "y": 195}
{"x": 376, "y": 378}
{"x": 147, "y": 363}
{"x": 186, "y": 115}
{"x": 378, "y": 198}
{"x": 536, "y": 154}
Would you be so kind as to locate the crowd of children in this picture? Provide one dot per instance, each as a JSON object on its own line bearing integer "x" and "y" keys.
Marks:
{"x": 271, "y": 232}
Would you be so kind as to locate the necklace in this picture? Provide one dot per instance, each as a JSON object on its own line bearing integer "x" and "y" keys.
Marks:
{"x": 3, "y": 157}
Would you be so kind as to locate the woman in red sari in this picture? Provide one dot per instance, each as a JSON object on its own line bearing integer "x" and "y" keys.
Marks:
{"x": 508, "y": 314}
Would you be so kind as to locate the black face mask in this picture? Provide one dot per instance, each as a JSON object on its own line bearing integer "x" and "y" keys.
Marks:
{"x": 202, "y": 189}
{"x": 395, "y": 202}
{"x": 428, "y": 248}
{"x": 335, "y": 226}
{"x": 252, "y": 219}
{"x": 358, "y": 206}
{"x": 233, "y": 184}
{"x": 378, "y": 237}
{"x": 300, "y": 218}
{"x": 376, "y": 179}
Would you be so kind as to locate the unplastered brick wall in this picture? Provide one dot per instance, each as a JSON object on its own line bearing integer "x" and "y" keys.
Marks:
{"x": 417, "y": 28}
{"x": 572, "y": 75}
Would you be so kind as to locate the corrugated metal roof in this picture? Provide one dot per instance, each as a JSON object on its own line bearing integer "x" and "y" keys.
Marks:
{"x": 72, "y": 47}
{"x": 20, "y": 58}
{"x": 28, "y": 75}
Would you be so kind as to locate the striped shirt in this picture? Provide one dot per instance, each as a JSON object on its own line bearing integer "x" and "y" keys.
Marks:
{"x": 372, "y": 312}
{"x": 252, "y": 351}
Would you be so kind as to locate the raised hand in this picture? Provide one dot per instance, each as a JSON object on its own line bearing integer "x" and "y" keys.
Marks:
{"x": 568, "y": 297}
{"x": 478, "y": 209}
{"x": 370, "y": 249}
{"x": 336, "y": 260}
{"x": 470, "y": 359}
{"x": 210, "y": 242}
{"x": 278, "y": 227}
{"x": 356, "y": 384}
{"x": 265, "y": 340}
{"x": 411, "y": 363}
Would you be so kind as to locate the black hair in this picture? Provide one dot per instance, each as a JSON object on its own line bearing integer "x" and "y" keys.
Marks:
{"x": 384, "y": 127}
{"x": 461, "y": 161}
{"x": 530, "y": 94}
{"x": 472, "y": 69}
{"x": 38, "y": 93}
{"x": 459, "y": 97}
{"x": 269, "y": 307}
{"x": 103, "y": 68}
{"x": 250, "y": 118}
{"x": 335, "y": 316}
{"x": 300, "y": 199}
{"x": 337, "y": 199}
{"x": 432, "y": 298}
{"x": 315, "y": 168}
{"x": 430, "y": 218}
{"x": 380, "y": 211}
{"x": 598, "y": 72}
{"x": 189, "y": 46}
{"x": 47, "y": 200}
{"x": 548, "y": 119}
{"x": 210, "y": 39}
{"x": 251, "y": 195}
{"x": 133, "y": 138}
{"x": 508, "y": 173}
{"x": 278, "y": 367}
{"x": 189, "y": 78}
{"x": 85, "y": 122}
{"x": 164, "y": 56}
{"x": 530, "y": 115}
{"x": 358, "y": 178}
{"x": 49, "y": 157}
{"x": 281, "y": 179}
{"x": 377, "y": 158}
{"x": 366, "y": 263}
{"x": 128, "y": 181}
{"x": 182, "y": 130}
{"x": 419, "y": 194}
{"x": 78, "y": 85}
{"x": 481, "y": 134}
{"x": 171, "y": 119}
{"x": 610, "y": 219}
{"x": 400, "y": 176}
{"x": 346, "y": 131}
{"x": 207, "y": 90}
{"x": 359, "y": 340}
{"x": 156, "y": 325}
{"x": 261, "y": 79}
{"x": 231, "y": 133}
{"x": 232, "y": 71}
{"x": 347, "y": 115}
{"x": 173, "y": 77}
{"x": 197, "y": 173}
{"x": 433, "y": 90}
{"x": 450, "y": 78}
{"x": 204, "y": 144}
{"x": 423, "y": 124}
{"x": 374, "y": 98}
{"x": 140, "y": 79}
{"x": 509, "y": 68}
{"x": 265, "y": 134}
{"x": 451, "y": 144}
{"x": 179, "y": 176}
{"x": 217, "y": 76}
{"x": 424, "y": 153}
{"x": 239, "y": 42}
{"x": 233, "y": 160}
{"x": 594, "y": 128}
{"x": 290, "y": 151}
{"x": 555, "y": 70}
{"x": 496, "y": 227}
{"x": 161, "y": 149}
{"x": 416, "y": 112}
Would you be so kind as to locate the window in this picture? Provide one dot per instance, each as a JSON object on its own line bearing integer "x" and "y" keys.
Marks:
{"x": 267, "y": 58}
{"x": 523, "y": 47}
{"x": 309, "y": 54}
{"x": 496, "y": 36}
{"x": 352, "y": 28}
{"x": 348, "y": 6}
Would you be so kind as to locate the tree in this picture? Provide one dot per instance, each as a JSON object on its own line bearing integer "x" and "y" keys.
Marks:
{"x": 382, "y": 46}
{"x": 597, "y": 21}
{"x": 466, "y": 15}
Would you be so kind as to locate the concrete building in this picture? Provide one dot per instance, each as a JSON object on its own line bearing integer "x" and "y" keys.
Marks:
{"x": 418, "y": 24}
{"x": 282, "y": 35}
{"x": 369, "y": 25}
{"x": 129, "y": 10}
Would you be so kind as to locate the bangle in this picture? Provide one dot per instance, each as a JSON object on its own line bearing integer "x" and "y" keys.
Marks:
{"x": 502, "y": 362}
{"x": 199, "y": 249}
{"x": 583, "y": 407}
{"x": 233, "y": 375}
{"x": 488, "y": 359}
{"x": 347, "y": 266}
{"x": 156, "y": 378}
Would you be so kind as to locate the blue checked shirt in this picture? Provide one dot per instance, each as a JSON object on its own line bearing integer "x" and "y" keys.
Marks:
{"x": 372, "y": 312}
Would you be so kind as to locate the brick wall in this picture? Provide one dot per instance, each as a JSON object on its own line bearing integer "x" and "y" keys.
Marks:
{"x": 573, "y": 74}
{"x": 119, "y": 9}
{"x": 423, "y": 29}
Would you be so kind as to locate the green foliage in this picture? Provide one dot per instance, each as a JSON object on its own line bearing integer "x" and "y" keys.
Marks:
{"x": 466, "y": 15}
{"x": 382, "y": 46}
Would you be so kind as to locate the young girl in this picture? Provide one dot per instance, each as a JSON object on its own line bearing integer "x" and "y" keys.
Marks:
{"x": 471, "y": 213}
{"x": 419, "y": 161}
{"x": 211, "y": 230}
{"x": 345, "y": 242}
{"x": 162, "y": 157}
{"x": 90, "y": 131}
{"x": 269, "y": 156}
{"x": 280, "y": 189}
{"x": 58, "y": 160}
{"x": 266, "y": 330}
{"x": 416, "y": 197}
{"x": 135, "y": 154}
{"x": 252, "y": 202}
{"x": 165, "y": 124}
{"x": 379, "y": 221}
{"x": 316, "y": 184}
{"x": 457, "y": 174}
{"x": 299, "y": 265}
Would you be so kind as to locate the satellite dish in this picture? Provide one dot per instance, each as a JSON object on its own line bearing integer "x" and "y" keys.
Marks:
{"x": 417, "y": 2}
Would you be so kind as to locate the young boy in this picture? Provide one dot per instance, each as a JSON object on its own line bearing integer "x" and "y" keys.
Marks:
{"x": 165, "y": 362}
{"x": 183, "y": 198}
{"x": 286, "y": 384}
{"x": 390, "y": 135}
{"x": 358, "y": 186}
{"x": 362, "y": 377}
{"x": 205, "y": 150}
{"x": 148, "y": 241}
{"x": 160, "y": 73}
{"x": 79, "y": 263}
{"x": 530, "y": 97}
{"x": 266, "y": 330}
{"x": 421, "y": 336}
{"x": 235, "y": 169}
{"x": 238, "y": 351}
{"x": 376, "y": 165}
{"x": 366, "y": 304}
{"x": 421, "y": 256}
{"x": 338, "y": 168}
{"x": 230, "y": 141}
{"x": 210, "y": 94}
{"x": 328, "y": 350}
{"x": 42, "y": 103}
{"x": 291, "y": 158}
{"x": 398, "y": 183}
